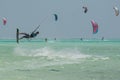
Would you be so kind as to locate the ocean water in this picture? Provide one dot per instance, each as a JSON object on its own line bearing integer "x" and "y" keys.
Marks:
{"x": 60, "y": 60}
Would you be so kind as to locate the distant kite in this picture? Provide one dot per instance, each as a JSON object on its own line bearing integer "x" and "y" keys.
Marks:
{"x": 56, "y": 17}
{"x": 116, "y": 10}
{"x": 85, "y": 9}
{"x": 95, "y": 26}
{"x": 4, "y": 20}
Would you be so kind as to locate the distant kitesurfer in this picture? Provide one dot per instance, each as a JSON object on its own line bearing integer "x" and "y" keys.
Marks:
{"x": 45, "y": 39}
{"x": 102, "y": 38}
{"x": 81, "y": 39}
{"x": 54, "y": 38}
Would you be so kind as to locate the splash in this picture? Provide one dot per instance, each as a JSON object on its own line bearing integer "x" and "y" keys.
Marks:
{"x": 48, "y": 56}
{"x": 50, "y": 53}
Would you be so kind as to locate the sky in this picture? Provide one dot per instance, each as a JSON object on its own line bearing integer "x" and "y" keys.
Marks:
{"x": 72, "y": 21}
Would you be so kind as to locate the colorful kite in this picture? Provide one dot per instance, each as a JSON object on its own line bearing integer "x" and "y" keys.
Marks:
{"x": 95, "y": 26}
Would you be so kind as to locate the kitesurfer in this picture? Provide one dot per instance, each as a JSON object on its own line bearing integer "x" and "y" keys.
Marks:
{"x": 32, "y": 35}
{"x": 26, "y": 35}
{"x": 46, "y": 39}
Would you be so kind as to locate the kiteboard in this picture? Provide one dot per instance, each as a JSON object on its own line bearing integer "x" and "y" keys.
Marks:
{"x": 17, "y": 35}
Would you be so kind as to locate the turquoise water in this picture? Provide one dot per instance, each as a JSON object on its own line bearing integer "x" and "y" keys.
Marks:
{"x": 60, "y": 60}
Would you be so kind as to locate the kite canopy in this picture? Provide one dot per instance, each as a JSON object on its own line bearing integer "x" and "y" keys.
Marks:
{"x": 56, "y": 17}
{"x": 4, "y": 20}
{"x": 95, "y": 26}
{"x": 116, "y": 10}
{"x": 85, "y": 9}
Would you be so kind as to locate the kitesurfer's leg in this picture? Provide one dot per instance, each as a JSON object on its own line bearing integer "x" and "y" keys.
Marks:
{"x": 25, "y": 36}
{"x": 22, "y": 37}
{"x": 23, "y": 33}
